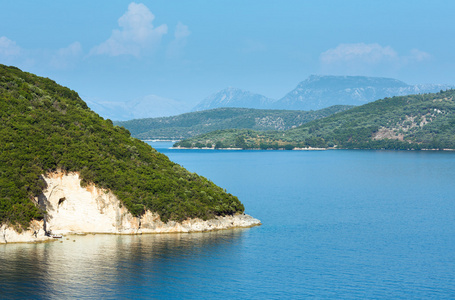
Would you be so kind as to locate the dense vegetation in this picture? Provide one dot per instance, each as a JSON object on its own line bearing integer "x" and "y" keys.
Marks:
{"x": 46, "y": 127}
{"x": 424, "y": 121}
{"x": 195, "y": 123}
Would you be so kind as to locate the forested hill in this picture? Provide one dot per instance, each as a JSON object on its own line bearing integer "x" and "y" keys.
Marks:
{"x": 46, "y": 127}
{"x": 191, "y": 124}
{"x": 424, "y": 121}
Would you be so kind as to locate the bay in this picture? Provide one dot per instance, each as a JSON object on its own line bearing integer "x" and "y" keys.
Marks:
{"x": 336, "y": 224}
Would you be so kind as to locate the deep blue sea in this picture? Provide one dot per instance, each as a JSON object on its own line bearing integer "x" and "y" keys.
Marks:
{"x": 342, "y": 224}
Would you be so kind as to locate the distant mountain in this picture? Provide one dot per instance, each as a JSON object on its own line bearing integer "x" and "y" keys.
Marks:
{"x": 314, "y": 93}
{"x": 232, "y": 97}
{"x": 194, "y": 123}
{"x": 317, "y": 92}
{"x": 150, "y": 106}
{"x": 425, "y": 121}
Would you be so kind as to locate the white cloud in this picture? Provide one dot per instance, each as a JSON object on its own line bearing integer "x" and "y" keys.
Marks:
{"x": 361, "y": 58}
{"x": 181, "y": 34}
{"x": 11, "y": 53}
{"x": 417, "y": 55}
{"x": 8, "y": 49}
{"x": 366, "y": 53}
{"x": 137, "y": 33}
{"x": 66, "y": 57}
{"x": 181, "y": 31}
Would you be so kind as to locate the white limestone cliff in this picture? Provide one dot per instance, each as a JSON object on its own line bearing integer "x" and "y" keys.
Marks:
{"x": 74, "y": 209}
{"x": 35, "y": 233}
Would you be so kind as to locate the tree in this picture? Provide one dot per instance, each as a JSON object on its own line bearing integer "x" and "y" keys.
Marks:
{"x": 219, "y": 145}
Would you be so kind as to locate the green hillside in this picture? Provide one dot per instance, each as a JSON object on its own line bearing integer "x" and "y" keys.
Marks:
{"x": 46, "y": 127}
{"x": 195, "y": 123}
{"x": 424, "y": 121}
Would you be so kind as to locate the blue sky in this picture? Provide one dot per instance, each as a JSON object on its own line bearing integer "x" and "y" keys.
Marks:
{"x": 120, "y": 51}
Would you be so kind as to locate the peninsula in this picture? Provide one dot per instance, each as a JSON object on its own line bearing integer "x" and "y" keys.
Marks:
{"x": 64, "y": 169}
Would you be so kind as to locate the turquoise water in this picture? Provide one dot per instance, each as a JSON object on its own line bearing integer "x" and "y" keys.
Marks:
{"x": 336, "y": 224}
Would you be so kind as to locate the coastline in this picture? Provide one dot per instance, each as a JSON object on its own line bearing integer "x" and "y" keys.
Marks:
{"x": 207, "y": 148}
{"x": 8, "y": 235}
{"x": 294, "y": 149}
{"x": 158, "y": 140}
{"x": 307, "y": 149}
{"x": 72, "y": 209}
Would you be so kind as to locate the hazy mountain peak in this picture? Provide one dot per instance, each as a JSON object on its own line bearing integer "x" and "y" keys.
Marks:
{"x": 315, "y": 92}
{"x": 149, "y": 106}
{"x": 233, "y": 97}
{"x": 319, "y": 91}
{"x": 350, "y": 81}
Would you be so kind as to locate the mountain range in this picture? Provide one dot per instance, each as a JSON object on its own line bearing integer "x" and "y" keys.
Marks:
{"x": 314, "y": 93}
{"x": 150, "y": 106}
{"x": 317, "y": 92}
{"x": 232, "y": 97}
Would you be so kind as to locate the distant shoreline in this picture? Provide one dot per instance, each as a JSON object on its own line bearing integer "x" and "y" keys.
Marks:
{"x": 305, "y": 149}
{"x": 295, "y": 149}
{"x": 157, "y": 140}
{"x": 206, "y": 148}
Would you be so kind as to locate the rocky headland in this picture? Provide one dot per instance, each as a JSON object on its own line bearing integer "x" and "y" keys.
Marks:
{"x": 73, "y": 209}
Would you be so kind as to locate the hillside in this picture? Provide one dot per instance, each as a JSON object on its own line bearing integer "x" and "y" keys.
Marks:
{"x": 191, "y": 124}
{"x": 408, "y": 122}
{"x": 47, "y": 128}
{"x": 317, "y": 92}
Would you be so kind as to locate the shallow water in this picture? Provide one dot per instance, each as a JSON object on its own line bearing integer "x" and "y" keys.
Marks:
{"x": 336, "y": 224}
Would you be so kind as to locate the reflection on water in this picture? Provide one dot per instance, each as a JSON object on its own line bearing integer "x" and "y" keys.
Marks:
{"x": 106, "y": 265}
{"x": 336, "y": 224}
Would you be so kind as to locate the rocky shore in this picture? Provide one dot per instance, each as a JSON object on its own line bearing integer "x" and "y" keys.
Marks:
{"x": 72, "y": 209}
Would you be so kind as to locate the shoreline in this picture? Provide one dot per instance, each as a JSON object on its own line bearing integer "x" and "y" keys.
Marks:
{"x": 73, "y": 209}
{"x": 279, "y": 149}
{"x": 306, "y": 149}
{"x": 8, "y": 235}
{"x": 237, "y": 149}
{"x": 158, "y": 140}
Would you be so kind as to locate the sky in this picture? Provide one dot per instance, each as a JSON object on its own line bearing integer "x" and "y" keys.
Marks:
{"x": 178, "y": 52}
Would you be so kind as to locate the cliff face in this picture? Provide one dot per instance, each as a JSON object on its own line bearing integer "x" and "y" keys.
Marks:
{"x": 74, "y": 209}
{"x": 35, "y": 233}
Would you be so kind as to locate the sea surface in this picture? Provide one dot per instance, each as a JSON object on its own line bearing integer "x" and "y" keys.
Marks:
{"x": 341, "y": 224}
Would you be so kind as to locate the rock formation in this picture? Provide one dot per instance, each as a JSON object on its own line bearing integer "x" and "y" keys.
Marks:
{"x": 74, "y": 209}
